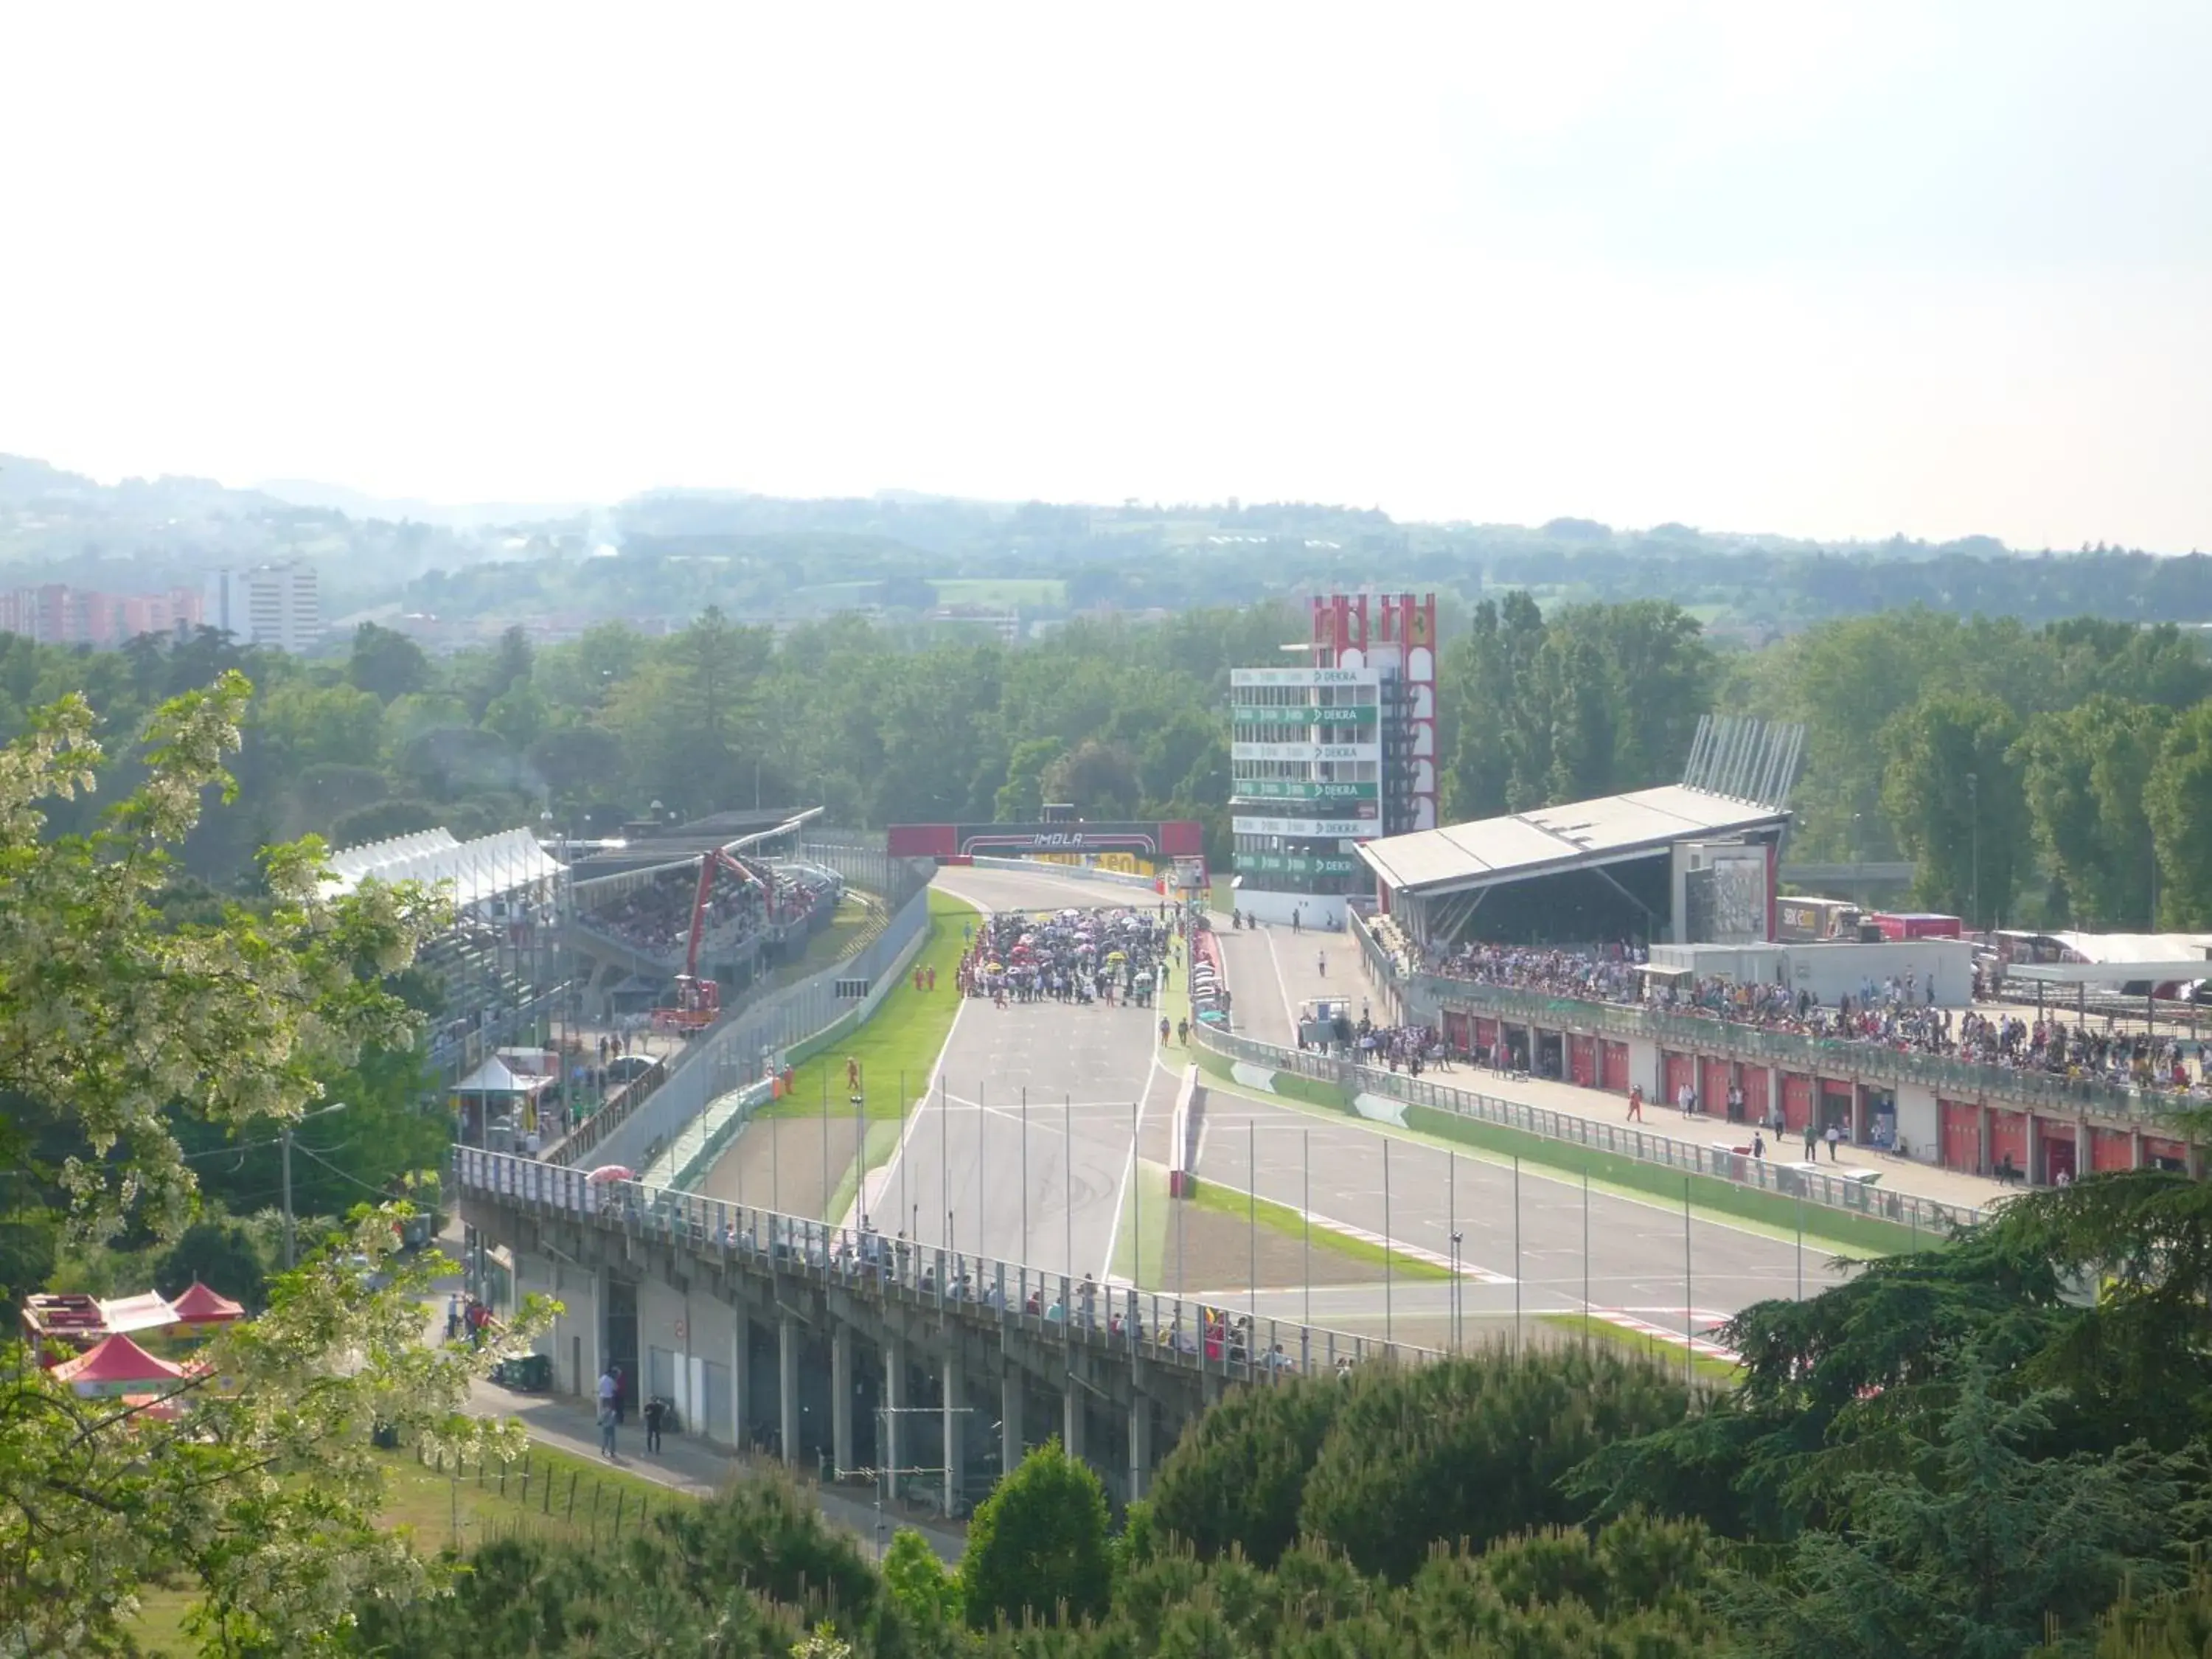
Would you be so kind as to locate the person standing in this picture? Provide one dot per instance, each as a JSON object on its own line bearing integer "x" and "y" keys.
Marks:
{"x": 608, "y": 1418}
{"x": 453, "y": 1317}
{"x": 655, "y": 1413}
{"x": 1636, "y": 1102}
{"x": 1835, "y": 1140}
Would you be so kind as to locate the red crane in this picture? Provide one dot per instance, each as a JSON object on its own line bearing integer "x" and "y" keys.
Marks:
{"x": 698, "y": 1001}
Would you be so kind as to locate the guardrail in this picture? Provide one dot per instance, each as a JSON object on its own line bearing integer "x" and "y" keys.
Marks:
{"x": 1767, "y": 1175}
{"x": 1183, "y": 1144}
{"x": 1163, "y": 1329}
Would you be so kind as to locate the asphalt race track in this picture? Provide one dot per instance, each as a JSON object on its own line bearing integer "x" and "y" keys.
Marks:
{"x": 1642, "y": 1258}
{"x": 1043, "y": 1187}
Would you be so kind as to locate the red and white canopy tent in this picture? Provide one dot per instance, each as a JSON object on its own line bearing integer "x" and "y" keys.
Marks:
{"x": 200, "y": 1310}
{"x": 117, "y": 1366}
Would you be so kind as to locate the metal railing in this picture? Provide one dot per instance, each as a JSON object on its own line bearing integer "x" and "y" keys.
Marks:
{"x": 1765, "y": 1175}
{"x": 977, "y": 1291}
{"x": 1795, "y": 1051}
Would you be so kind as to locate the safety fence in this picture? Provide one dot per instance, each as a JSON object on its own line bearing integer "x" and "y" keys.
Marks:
{"x": 783, "y": 1027}
{"x": 976, "y": 1290}
{"x": 1361, "y": 1085}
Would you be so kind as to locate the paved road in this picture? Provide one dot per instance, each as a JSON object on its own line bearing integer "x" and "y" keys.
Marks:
{"x": 1636, "y": 1257}
{"x": 1043, "y": 1187}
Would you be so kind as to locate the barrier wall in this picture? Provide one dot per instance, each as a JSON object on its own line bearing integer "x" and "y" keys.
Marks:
{"x": 1072, "y": 871}
{"x": 746, "y": 1047}
{"x": 1159, "y": 1328}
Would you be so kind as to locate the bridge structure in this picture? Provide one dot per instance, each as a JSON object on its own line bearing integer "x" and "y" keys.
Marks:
{"x": 845, "y": 1350}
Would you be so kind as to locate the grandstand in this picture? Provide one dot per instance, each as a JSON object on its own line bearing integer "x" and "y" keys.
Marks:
{"x": 1688, "y": 862}
{"x": 499, "y": 965}
{"x": 635, "y": 930}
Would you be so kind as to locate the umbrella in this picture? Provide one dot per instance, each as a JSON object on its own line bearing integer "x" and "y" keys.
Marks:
{"x": 612, "y": 1172}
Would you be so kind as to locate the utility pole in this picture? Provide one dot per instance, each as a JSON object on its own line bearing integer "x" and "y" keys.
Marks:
{"x": 285, "y": 1140}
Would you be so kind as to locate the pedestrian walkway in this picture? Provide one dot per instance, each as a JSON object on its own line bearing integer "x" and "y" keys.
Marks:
{"x": 684, "y": 1463}
{"x": 1271, "y": 971}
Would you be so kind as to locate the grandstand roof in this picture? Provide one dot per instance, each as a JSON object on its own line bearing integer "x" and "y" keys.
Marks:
{"x": 1555, "y": 838}
{"x": 480, "y": 869}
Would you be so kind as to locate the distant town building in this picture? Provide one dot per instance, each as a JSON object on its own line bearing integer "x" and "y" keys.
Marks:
{"x": 275, "y": 605}
{"x": 55, "y": 613}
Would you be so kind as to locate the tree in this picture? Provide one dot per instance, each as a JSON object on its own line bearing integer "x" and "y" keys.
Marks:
{"x": 1037, "y": 1545}
{"x": 918, "y": 1583}
{"x": 2084, "y": 771}
{"x": 1954, "y": 795}
{"x": 114, "y": 1023}
{"x": 385, "y": 663}
{"x": 1471, "y": 1450}
{"x": 1022, "y": 796}
{"x": 2178, "y": 801}
{"x": 1099, "y": 779}
{"x": 1968, "y": 1546}
{"x": 1236, "y": 1479}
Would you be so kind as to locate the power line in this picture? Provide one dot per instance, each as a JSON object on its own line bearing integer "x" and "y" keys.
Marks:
{"x": 342, "y": 1174}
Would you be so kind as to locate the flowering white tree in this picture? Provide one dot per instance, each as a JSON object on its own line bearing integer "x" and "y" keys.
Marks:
{"x": 254, "y": 1482}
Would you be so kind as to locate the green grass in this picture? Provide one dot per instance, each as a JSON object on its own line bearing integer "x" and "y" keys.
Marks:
{"x": 832, "y": 942}
{"x": 574, "y": 1499}
{"x": 1863, "y": 1234}
{"x": 1283, "y": 1219}
{"x": 1663, "y": 1356}
{"x": 1140, "y": 1249}
{"x": 901, "y": 1041}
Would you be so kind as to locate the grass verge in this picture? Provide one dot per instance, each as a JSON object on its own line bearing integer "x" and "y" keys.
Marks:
{"x": 1290, "y": 1223}
{"x": 1663, "y": 1356}
{"x": 1140, "y": 1249}
{"x": 545, "y": 1493}
{"x": 898, "y": 1046}
{"x": 1861, "y": 1234}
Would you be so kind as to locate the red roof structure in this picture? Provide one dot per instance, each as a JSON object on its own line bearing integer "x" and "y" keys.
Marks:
{"x": 199, "y": 1306}
{"x": 118, "y": 1365}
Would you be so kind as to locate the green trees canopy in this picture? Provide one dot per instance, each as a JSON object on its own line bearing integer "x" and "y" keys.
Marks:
{"x": 1036, "y": 1545}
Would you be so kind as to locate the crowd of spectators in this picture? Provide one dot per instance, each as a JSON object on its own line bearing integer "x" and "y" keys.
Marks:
{"x": 1077, "y": 956}
{"x": 655, "y": 916}
{"x": 1896, "y": 1012}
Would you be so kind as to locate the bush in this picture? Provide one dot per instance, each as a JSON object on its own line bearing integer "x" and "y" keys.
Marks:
{"x": 1036, "y": 1546}
{"x": 1469, "y": 1451}
{"x": 1237, "y": 1476}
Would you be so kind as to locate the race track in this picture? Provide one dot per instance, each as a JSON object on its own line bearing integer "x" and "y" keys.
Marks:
{"x": 1043, "y": 1187}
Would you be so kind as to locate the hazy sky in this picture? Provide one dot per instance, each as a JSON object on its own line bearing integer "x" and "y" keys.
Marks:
{"x": 1836, "y": 270}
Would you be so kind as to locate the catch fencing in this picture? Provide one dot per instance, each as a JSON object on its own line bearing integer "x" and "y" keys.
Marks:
{"x": 1784, "y": 1180}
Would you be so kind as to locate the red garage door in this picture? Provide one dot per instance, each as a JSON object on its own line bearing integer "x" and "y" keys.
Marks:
{"x": 2008, "y": 1135}
{"x": 1755, "y": 1105}
{"x": 1581, "y": 1061}
{"x": 2112, "y": 1149}
{"x": 1796, "y": 1101}
{"x": 2060, "y": 1155}
{"x": 1961, "y": 1147}
{"x": 1715, "y": 1077}
{"x": 1457, "y": 1032}
{"x": 1613, "y": 1059}
{"x": 1682, "y": 1072}
{"x": 1485, "y": 1034}
{"x": 2164, "y": 1154}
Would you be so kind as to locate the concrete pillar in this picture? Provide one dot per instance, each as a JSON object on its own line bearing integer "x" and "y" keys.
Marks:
{"x": 786, "y": 1385}
{"x": 956, "y": 1434}
{"x": 840, "y": 1398}
{"x": 1013, "y": 1388}
{"x": 892, "y": 1452}
{"x": 1071, "y": 1418}
{"x": 1140, "y": 1446}
{"x": 741, "y": 1377}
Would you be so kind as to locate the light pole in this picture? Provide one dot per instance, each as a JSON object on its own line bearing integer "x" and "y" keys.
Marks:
{"x": 290, "y": 1250}
{"x": 1974, "y": 838}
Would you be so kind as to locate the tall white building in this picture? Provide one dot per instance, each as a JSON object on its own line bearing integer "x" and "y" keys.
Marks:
{"x": 272, "y": 605}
